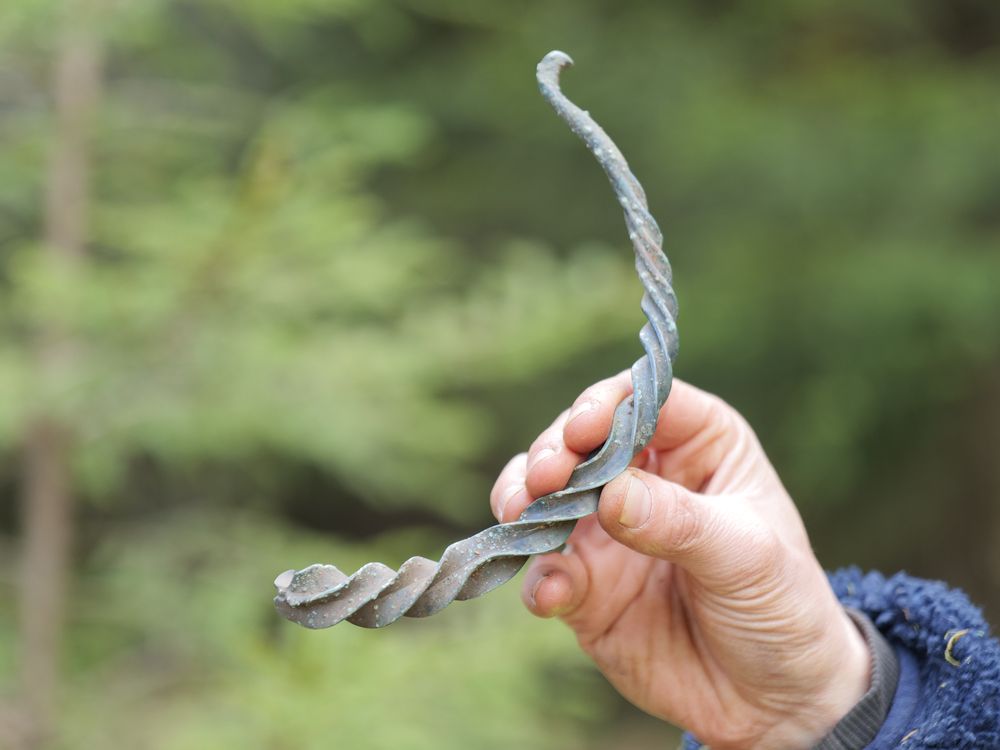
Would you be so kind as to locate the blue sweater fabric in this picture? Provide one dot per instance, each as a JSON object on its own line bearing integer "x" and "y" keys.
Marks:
{"x": 938, "y": 704}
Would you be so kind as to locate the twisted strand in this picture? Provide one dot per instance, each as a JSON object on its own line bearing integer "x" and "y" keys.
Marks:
{"x": 320, "y": 596}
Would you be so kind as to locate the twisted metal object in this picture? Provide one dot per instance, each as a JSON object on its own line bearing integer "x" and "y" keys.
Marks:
{"x": 320, "y": 596}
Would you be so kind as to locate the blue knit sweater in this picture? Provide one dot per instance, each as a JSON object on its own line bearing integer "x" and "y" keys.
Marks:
{"x": 949, "y": 684}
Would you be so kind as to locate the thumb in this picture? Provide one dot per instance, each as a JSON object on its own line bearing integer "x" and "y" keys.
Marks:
{"x": 719, "y": 541}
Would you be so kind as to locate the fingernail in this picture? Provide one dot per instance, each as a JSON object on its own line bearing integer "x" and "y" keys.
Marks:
{"x": 581, "y": 408}
{"x": 534, "y": 589}
{"x": 638, "y": 504}
{"x": 511, "y": 491}
{"x": 543, "y": 454}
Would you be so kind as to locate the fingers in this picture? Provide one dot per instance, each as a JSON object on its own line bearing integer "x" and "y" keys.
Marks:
{"x": 589, "y": 583}
{"x": 589, "y": 420}
{"x": 550, "y": 461}
{"x": 554, "y": 585}
{"x": 721, "y": 543}
{"x": 689, "y": 413}
{"x": 699, "y": 427}
{"x": 509, "y": 496}
{"x": 543, "y": 469}
{"x": 695, "y": 433}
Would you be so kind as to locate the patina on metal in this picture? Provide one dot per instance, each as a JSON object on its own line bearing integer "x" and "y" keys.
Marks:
{"x": 320, "y": 596}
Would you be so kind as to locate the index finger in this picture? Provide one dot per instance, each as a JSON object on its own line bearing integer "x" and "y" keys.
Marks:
{"x": 688, "y": 413}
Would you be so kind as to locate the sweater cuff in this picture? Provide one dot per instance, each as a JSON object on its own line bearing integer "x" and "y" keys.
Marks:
{"x": 862, "y": 723}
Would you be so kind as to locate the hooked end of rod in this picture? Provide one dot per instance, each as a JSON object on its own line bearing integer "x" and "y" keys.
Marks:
{"x": 547, "y": 71}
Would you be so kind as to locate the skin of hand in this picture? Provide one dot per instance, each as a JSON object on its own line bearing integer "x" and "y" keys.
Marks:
{"x": 694, "y": 588}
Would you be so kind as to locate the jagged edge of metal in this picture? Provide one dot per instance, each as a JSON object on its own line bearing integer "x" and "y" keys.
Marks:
{"x": 376, "y": 595}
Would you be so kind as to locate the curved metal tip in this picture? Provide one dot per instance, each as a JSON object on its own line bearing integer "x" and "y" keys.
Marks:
{"x": 284, "y": 580}
{"x": 552, "y": 63}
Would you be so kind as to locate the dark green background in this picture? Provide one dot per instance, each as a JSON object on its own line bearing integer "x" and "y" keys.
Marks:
{"x": 342, "y": 262}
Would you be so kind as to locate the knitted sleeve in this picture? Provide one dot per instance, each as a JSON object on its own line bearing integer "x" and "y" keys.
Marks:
{"x": 953, "y": 690}
{"x": 949, "y": 685}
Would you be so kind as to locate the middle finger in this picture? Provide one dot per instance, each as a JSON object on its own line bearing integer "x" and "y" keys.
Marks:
{"x": 550, "y": 461}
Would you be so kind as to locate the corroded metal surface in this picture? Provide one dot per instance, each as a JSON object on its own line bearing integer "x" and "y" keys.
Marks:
{"x": 320, "y": 596}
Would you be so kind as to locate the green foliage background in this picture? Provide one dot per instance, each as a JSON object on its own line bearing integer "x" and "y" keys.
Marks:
{"x": 343, "y": 262}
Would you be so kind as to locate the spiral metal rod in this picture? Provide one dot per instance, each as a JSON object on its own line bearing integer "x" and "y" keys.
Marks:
{"x": 320, "y": 596}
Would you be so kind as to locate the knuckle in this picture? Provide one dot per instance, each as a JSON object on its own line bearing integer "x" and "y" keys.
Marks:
{"x": 542, "y": 442}
{"x": 726, "y": 437}
{"x": 764, "y": 551}
{"x": 720, "y": 417}
{"x": 761, "y": 561}
{"x": 590, "y": 393}
{"x": 724, "y": 421}
{"x": 609, "y": 386}
{"x": 551, "y": 436}
{"x": 517, "y": 464}
{"x": 551, "y": 439}
{"x": 683, "y": 523}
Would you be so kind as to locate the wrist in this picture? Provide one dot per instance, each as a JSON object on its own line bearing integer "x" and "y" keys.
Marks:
{"x": 852, "y": 679}
{"x": 839, "y": 687}
{"x": 851, "y": 675}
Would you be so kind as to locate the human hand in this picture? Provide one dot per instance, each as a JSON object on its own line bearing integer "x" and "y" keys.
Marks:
{"x": 694, "y": 588}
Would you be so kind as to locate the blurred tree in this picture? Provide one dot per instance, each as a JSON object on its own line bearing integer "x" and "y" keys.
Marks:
{"x": 247, "y": 295}
{"x": 47, "y": 482}
{"x": 244, "y": 299}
